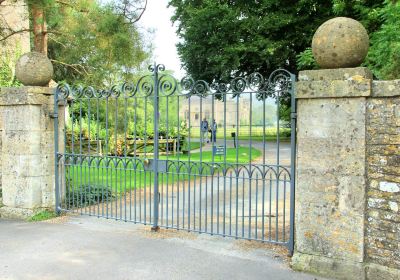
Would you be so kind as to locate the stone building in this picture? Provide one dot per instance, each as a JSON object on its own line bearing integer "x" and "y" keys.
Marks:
{"x": 203, "y": 108}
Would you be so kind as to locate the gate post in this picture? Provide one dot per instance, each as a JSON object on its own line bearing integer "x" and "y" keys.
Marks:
{"x": 331, "y": 176}
{"x": 156, "y": 136}
{"x": 348, "y": 175}
{"x": 27, "y": 151}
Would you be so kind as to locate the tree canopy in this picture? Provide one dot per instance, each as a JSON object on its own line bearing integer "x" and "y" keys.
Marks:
{"x": 229, "y": 38}
{"x": 89, "y": 41}
{"x": 98, "y": 44}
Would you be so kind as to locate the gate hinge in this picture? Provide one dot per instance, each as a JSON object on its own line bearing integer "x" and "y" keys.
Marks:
{"x": 53, "y": 115}
{"x": 293, "y": 115}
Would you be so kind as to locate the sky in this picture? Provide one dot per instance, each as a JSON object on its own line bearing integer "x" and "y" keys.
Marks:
{"x": 157, "y": 17}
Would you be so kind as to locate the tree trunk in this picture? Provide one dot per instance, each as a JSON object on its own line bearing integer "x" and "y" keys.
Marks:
{"x": 39, "y": 30}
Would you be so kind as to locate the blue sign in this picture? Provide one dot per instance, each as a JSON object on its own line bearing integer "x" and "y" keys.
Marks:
{"x": 219, "y": 151}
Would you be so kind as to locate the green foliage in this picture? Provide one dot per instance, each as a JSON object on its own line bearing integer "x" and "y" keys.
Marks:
{"x": 87, "y": 195}
{"x": 384, "y": 54}
{"x": 306, "y": 60}
{"x": 7, "y": 64}
{"x": 42, "y": 216}
{"x": 87, "y": 128}
{"x": 94, "y": 44}
{"x": 225, "y": 39}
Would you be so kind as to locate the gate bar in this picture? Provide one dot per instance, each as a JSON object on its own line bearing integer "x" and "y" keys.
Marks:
{"x": 56, "y": 171}
{"x": 292, "y": 162}
{"x": 155, "y": 150}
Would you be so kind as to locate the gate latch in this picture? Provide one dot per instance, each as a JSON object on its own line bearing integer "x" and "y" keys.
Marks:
{"x": 149, "y": 165}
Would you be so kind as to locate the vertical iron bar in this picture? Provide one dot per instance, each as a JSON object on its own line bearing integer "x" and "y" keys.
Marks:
{"x": 270, "y": 208}
{"x": 89, "y": 165}
{"x": 56, "y": 175}
{"x": 230, "y": 203}
{"x": 264, "y": 175}
{"x": 284, "y": 208}
{"x": 250, "y": 166}
{"x": 194, "y": 202}
{"x": 116, "y": 158}
{"x": 98, "y": 155}
{"x": 263, "y": 208}
{"x": 277, "y": 161}
{"x": 156, "y": 155}
{"x": 292, "y": 162}
{"x": 125, "y": 150}
{"x": 218, "y": 177}
{"x": 256, "y": 214}
{"x": 206, "y": 206}
{"x": 243, "y": 178}
{"x": 237, "y": 205}
{"x": 213, "y": 161}
{"x": 136, "y": 163}
{"x": 80, "y": 156}
{"x": 106, "y": 156}
{"x": 226, "y": 172}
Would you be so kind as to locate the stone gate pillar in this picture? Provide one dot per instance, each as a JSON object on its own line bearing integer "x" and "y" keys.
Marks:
{"x": 331, "y": 171}
{"x": 27, "y": 150}
{"x": 348, "y": 175}
{"x": 348, "y": 162}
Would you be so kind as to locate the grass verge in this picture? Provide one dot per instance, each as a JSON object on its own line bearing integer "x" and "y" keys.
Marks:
{"x": 42, "y": 216}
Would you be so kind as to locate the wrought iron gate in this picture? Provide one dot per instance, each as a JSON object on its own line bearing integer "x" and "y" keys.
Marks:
{"x": 189, "y": 155}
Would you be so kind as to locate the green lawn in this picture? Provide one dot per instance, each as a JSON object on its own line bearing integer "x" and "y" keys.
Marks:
{"x": 243, "y": 133}
{"x": 194, "y": 145}
{"x": 243, "y": 156}
{"x": 120, "y": 179}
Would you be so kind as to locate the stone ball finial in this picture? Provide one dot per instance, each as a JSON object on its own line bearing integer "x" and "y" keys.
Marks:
{"x": 340, "y": 43}
{"x": 34, "y": 69}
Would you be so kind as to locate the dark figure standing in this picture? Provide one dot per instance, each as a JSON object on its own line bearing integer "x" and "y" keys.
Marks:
{"x": 214, "y": 128}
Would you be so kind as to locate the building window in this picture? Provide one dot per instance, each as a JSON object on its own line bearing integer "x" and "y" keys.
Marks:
{"x": 196, "y": 116}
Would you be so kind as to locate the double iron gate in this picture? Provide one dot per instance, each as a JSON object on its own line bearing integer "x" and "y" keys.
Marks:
{"x": 187, "y": 155}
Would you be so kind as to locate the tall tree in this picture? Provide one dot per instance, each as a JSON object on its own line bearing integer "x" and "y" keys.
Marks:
{"x": 87, "y": 40}
{"x": 102, "y": 46}
{"x": 227, "y": 38}
{"x": 384, "y": 54}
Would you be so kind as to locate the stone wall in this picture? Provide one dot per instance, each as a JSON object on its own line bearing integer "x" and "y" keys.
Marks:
{"x": 348, "y": 175}
{"x": 382, "y": 237}
{"x": 14, "y": 17}
{"x": 27, "y": 150}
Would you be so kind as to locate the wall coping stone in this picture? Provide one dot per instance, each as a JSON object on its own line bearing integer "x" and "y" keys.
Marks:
{"x": 341, "y": 74}
{"x": 386, "y": 88}
{"x": 334, "y": 83}
{"x": 334, "y": 89}
{"x": 25, "y": 95}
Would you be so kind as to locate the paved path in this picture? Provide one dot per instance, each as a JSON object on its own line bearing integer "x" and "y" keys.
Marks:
{"x": 90, "y": 248}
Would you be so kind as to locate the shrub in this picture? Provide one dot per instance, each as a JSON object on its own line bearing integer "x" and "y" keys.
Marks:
{"x": 87, "y": 195}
